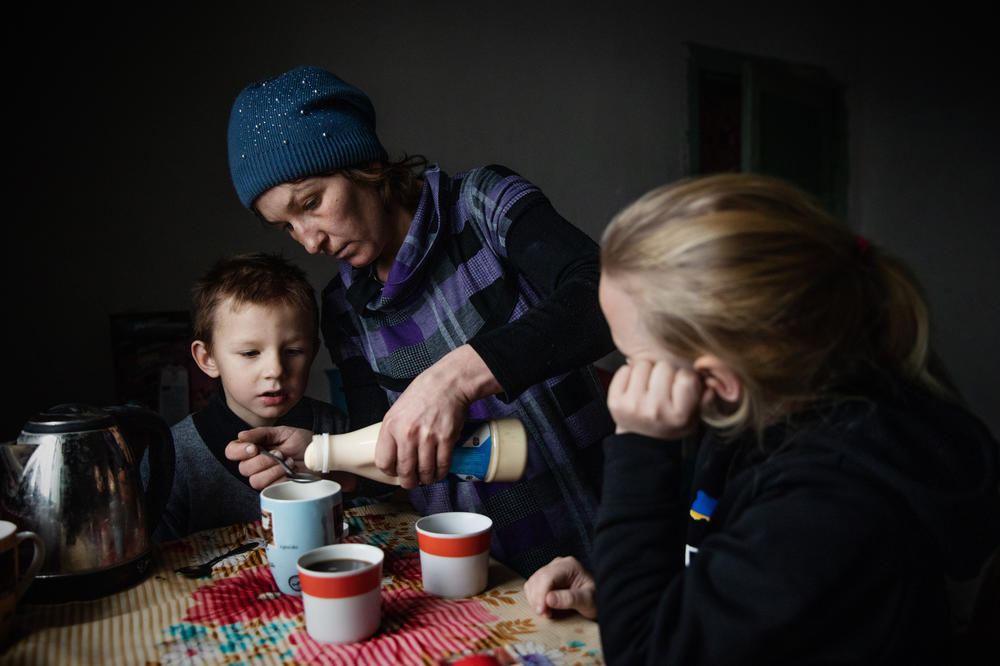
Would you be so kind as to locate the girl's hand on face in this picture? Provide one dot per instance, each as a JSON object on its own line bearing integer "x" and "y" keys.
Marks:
{"x": 656, "y": 399}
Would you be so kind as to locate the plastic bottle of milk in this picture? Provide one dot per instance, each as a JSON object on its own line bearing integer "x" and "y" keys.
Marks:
{"x": 494, "y": 450}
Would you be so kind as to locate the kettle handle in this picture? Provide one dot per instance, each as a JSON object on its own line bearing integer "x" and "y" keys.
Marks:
{"x": 145, "y": 429}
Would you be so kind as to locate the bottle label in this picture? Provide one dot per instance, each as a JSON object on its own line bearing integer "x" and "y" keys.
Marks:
{"x": 471, "y": 458}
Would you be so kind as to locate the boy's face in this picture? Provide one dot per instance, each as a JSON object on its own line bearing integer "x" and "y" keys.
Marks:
{"x": 263, "y": 354}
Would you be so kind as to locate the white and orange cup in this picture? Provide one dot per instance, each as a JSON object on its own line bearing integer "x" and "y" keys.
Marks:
{"x": 454, "y": 553}
{"x": 342, "y": 606}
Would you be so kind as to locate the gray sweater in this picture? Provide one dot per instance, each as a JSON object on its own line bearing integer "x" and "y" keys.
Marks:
{"x": 205, "y": 493}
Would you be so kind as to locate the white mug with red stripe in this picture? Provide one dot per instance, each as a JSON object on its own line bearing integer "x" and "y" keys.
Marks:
{"x": 342, "y": 591}
{"x": 454, "y": 553}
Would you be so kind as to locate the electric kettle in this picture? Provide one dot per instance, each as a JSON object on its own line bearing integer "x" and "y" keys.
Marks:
{"x": 73, "y": 478}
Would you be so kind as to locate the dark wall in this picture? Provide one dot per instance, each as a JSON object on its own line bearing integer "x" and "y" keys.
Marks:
{"x": 122, "y": 194}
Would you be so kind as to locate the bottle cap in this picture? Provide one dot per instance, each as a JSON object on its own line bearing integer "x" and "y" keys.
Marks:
{"x": 313, "y": 456}
{"x": 510, "y": 450}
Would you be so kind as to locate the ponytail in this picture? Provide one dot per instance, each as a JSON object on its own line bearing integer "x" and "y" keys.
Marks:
{"x": 903, "y": 326}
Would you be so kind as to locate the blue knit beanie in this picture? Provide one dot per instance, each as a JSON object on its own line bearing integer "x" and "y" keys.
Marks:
{"x": 302, "y": 123}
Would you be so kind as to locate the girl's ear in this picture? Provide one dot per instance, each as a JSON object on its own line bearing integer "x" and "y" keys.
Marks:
{"x": 203, "y": 357}
{"x": 719, "y": 378}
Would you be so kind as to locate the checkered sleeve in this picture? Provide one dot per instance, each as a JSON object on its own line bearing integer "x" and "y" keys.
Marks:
{"x": 566, "y": 329}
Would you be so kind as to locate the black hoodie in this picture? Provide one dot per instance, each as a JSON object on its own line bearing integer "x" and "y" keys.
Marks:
{"x": 829, "y": 542}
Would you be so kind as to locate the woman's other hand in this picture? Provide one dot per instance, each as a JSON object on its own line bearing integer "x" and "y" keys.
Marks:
{"x": 420, "y": 430}
{"x": 562, "y": 584}
{"x": 656, "y": 399}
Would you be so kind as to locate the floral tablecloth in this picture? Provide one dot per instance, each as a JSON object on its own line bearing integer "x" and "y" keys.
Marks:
{"x": 237, "y": 616}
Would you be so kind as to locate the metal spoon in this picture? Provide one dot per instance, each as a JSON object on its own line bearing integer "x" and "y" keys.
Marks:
{"x": 205, "y": 569}
{"x": 301, "y": 477}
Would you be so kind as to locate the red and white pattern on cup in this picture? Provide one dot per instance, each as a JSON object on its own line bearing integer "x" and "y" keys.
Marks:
{"x": 340, "y": 587}
{"x": 465, "y": 546}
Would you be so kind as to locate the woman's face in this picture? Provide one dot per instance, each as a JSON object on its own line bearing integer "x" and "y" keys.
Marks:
{"x": 332, "y": 215}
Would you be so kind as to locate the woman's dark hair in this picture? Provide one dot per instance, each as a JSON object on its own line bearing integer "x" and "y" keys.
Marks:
{"x": 396, "y": 182}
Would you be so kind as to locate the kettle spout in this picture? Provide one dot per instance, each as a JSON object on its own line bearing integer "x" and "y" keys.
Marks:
{"x": 13, "y": 459}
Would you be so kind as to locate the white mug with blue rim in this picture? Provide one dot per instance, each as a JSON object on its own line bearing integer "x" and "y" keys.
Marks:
{"x": 296, "y": 518}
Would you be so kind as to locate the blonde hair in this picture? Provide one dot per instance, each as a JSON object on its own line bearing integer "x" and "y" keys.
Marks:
{"x": 752, "y": 270}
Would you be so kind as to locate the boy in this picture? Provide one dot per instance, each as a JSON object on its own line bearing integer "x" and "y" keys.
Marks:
{"x": 256, "y": 329}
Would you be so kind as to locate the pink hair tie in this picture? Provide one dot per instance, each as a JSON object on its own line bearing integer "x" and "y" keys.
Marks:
{"x": 861, "y": 245}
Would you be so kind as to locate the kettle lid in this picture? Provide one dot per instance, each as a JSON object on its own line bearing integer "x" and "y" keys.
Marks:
{"x": 71, "y": 417}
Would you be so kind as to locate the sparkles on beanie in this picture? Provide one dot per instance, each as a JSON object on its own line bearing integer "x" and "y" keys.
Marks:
{"x": 302, "y": 123}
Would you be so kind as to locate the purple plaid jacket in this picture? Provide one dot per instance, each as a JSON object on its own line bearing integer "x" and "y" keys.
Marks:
{"x": 454, "y": 283}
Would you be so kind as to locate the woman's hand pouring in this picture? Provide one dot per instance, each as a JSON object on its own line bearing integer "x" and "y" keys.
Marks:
{"x": 419, "y": 431}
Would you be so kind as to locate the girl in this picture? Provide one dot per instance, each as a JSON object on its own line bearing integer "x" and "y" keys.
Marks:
{"x": 838, "y": 481}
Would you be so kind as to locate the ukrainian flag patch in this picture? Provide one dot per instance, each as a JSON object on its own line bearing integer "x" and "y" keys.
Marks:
{"x": 703, "y": 506}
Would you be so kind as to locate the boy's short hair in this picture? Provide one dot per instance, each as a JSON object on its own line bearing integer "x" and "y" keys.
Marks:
{"x": 256, "y": 278}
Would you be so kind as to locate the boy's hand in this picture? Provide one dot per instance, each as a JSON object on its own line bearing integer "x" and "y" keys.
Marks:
{"x": 655, "y": 399}
{"x": 284, "y": 441}
{"x": 562, "y": 584}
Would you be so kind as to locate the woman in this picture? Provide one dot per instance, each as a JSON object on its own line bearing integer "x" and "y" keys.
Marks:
{"x": 455, "y": 297}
